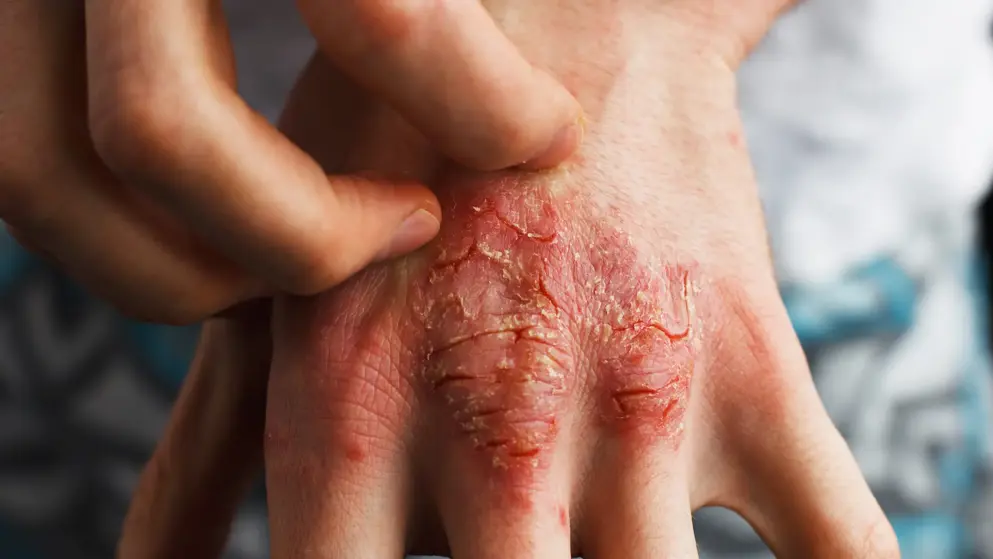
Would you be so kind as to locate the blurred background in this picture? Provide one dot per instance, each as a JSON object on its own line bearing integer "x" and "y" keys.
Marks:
{"x": 84, "y": 393}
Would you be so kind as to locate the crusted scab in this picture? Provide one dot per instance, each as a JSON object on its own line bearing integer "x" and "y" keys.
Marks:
{"x": 504, "y": 389}
{"x": 508, "y": 296}
{"x": 647, "y": 398}
{"x": 529, "y": 216}
{"x": 497, "y": 355}
{"x": 647, "y": 378}
{"x": 647, "y": 358}
{"x": 662, "y": 304}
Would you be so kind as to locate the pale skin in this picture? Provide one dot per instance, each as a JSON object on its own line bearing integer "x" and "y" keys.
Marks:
{"x": 579, "y": 360}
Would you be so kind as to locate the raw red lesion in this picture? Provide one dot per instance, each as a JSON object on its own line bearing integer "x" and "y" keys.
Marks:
{"x": 520, "y": 304}
{"x": 646, "y": 374}
{"x": 498, "y": 352}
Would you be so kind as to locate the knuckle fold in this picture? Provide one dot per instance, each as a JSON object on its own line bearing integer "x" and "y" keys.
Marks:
{"x": 136, "y": 137}
{"x": 350, "y": 394}
{"x": 507, "y": 303}
{"x": 499, "y": 357}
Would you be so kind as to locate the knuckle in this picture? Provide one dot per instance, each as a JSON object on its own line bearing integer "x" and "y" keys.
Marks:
{"x": 509, "y": 301}
{"x": 351, "y": 395}
{"x": 503, "y": 388}
{"x": 757, "y": 353}
{"x": 500, "y": 362}
{"x": 648, "y": 359}
{"x": 135, "y": 136}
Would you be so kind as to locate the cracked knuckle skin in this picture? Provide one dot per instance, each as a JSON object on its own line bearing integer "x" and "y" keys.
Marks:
{"x": 528, "y": 309}
{"x": 527, "y": 300}
{"x": 498, "y": 351}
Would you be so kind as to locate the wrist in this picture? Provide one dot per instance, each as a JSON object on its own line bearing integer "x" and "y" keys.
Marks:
{"x": 657, "y": 85}
{"x": 648, "y": 48}
{"x": 732, "y": 28}
{"x": 721, "y": 31}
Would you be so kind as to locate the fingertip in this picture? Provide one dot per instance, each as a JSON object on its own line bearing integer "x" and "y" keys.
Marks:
{"x": 414, "y": 232}
{"x": 565, "y": 143}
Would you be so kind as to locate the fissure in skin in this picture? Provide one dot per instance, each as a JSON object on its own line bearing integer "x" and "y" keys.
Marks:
{"x": 528, "y": 298}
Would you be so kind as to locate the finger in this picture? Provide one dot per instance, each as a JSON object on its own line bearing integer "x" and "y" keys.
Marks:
{"x": 802, "y": 489}
{"x": 135, "y": 257}
{"x": 212, "y": 447}
{"x": 502, "y": 479}
{"x": 336, "y": 467}
{"x": 638, "y": 503}
{"x": 496, "y": 511}
{"x": 815, "y": 502}
{"x": 449, "y": 69}
{"x": 165, "y": 116}
{"x": 61, "y": 199}
{"x": 639, "y": 494}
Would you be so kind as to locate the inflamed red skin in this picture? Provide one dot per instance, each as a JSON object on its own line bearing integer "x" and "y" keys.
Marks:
{"x": 570, "y": 363}
{"x": 532, "y": 317}
{"x": 527, "y": 298}
{"x": 580, "y": 359}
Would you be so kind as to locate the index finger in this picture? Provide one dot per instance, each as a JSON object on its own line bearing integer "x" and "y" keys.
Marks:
{"x": 450, "y": 70}
{"x": 166, "y": 117}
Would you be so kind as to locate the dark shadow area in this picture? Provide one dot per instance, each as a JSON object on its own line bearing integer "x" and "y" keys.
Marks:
{"x": 986, "y": 241}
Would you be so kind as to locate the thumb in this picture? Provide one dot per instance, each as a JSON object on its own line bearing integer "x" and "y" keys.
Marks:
{"x": 413, "y": 220}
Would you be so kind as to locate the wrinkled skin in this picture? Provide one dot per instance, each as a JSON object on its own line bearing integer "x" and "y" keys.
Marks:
{"x": 580, "y": 359}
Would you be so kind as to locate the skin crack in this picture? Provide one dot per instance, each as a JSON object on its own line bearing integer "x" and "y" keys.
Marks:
{"x": 521, "y": 231}
{"x": 458, "y": 340}
{"x": 504, "y": 318}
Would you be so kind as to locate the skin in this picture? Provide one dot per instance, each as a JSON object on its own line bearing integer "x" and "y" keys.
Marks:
{"x": 579, "y": 360}
{"x": 114, "y": 132}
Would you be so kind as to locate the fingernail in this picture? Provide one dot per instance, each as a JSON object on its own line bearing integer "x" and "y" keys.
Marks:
{"x": 419, "y": 228}
{"x": 566, "y": 141}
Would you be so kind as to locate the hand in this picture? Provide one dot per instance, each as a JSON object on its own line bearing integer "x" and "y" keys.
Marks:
{"x": 580, "y": 359}
{"x": 127, "y": 157}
